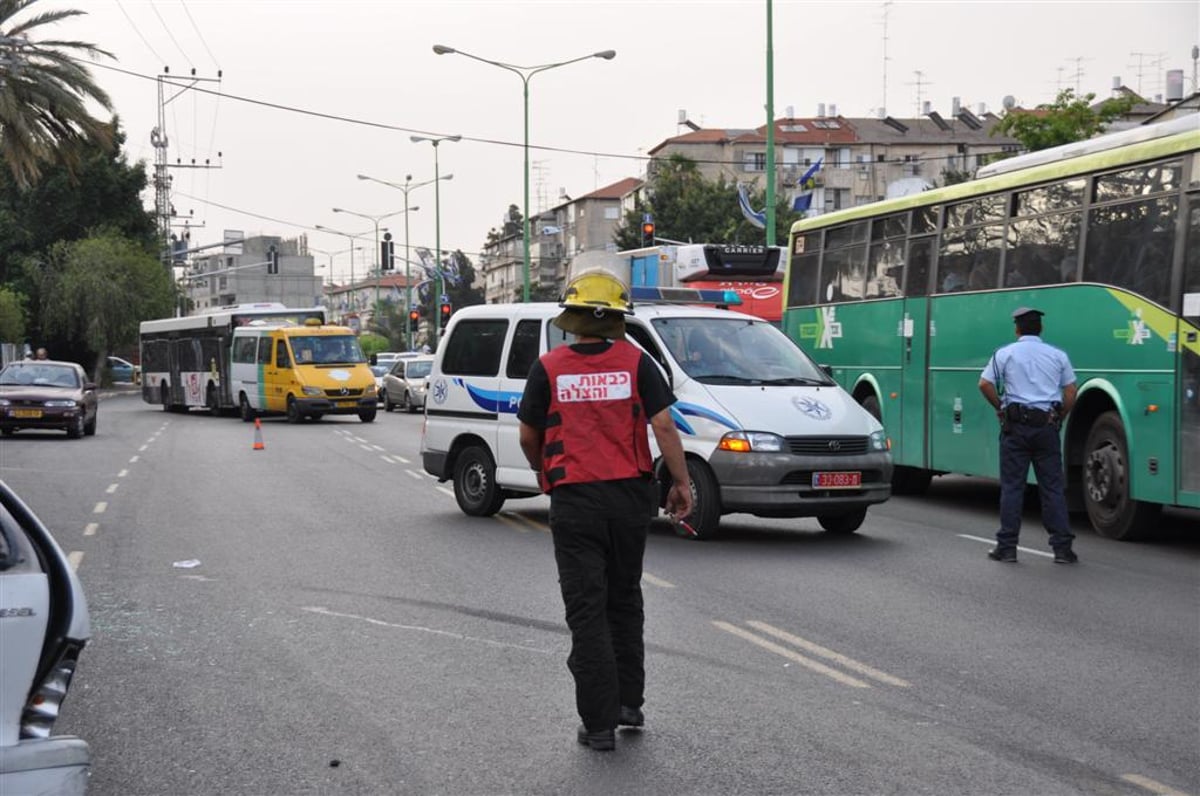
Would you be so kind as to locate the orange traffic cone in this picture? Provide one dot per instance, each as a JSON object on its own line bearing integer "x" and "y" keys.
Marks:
{"x": 258, "y": 440}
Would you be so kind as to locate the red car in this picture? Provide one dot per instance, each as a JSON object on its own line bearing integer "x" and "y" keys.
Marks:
{"x": 41, "y": 394}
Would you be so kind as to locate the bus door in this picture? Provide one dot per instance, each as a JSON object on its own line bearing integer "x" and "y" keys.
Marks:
{"x": 1188, "y": 377}
{"x": 914, "y": 361}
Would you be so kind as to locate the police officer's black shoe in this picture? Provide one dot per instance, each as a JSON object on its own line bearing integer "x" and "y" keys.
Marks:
{"x": 1006, "y": 554}
{"x": 631, "y": 717}
{"x": 1065, "y": 555}
{"x": 600, "y": 740}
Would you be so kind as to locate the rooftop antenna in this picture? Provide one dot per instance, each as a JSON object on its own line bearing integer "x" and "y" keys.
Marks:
{"x": 1078, "y": 72}
{"x": 920, "y": 83}
{"x": 887, "y": 7}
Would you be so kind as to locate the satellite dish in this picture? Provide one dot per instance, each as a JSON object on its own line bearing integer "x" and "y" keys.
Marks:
{"x": 1009, "y": 102}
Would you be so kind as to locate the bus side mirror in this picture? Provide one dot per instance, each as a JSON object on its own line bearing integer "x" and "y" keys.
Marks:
{"x": 828, "y": 370}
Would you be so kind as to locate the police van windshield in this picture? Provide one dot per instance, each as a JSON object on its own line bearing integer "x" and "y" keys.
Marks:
{"x": 341, "y": 349}
{"x": 737, "y": 351}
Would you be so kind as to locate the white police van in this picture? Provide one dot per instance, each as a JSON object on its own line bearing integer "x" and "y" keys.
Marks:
{"x": 765, "y": 430}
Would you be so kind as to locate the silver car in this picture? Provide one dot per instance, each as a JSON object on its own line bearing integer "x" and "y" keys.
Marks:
{"x": 404, "y": 384}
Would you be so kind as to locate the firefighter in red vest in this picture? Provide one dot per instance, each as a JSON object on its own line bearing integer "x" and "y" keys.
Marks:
{"x": 584, "y": 418}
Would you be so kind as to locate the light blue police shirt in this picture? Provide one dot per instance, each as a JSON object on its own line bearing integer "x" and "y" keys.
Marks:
{"x": 1033, "y": 373}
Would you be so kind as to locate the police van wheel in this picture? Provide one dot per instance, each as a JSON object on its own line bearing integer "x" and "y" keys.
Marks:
{"x": 705, "y": 518}
{"x": 1106, "y": 491}
{"x": 843, "y": 523}
{"x": 245, "y": 409}
{"x": 475, "y": 486}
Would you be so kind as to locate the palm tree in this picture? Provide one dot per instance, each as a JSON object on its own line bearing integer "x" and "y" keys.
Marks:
{"x": 43, "y": 94}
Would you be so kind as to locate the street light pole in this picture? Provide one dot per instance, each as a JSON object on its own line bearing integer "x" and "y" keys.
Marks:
{"x": 379, "y": 262}
{"x": 437, "y": 225}
{"x": 352, "y": 238}
{"x": 408, "y": 185}
{"x": 525, "y": 73}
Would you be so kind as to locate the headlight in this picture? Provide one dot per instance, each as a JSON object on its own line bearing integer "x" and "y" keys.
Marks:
{"x": 64, "y": 402}
{"x": 371, "y": 389}
{"x": 312, "y": 391}
{"x": 746, "y": 441}
{"x": 879, "y": 441}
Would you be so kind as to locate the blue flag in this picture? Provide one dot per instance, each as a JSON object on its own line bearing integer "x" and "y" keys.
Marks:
{"x": 803, "y": 200}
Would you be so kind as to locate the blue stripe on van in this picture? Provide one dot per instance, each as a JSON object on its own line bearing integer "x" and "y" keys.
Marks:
{"x": 502, "y": 402}
{"x": 678, "y": 409}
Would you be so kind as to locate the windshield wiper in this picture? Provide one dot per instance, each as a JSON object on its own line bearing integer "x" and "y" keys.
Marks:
{"x": 800, "y": 381}
{"x": 726, "y": 378}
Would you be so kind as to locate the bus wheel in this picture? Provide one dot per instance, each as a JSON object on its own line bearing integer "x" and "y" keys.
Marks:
{"x": 245, "y": 409}
{"x": 843, "y": 523}
{"x": 210, "y": 400}
{"x": 293, "y": 410}
{"x": 1113, "y": 511}
{"x": 705, "y": 518}
{"x": 475, "y": 486}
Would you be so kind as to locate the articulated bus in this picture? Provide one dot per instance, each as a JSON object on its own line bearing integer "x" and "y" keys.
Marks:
{"x": 906, "y": 299}
{"x": 185, "y": 361}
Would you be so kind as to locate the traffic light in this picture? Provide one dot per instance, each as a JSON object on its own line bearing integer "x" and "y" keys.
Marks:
{"x": 272, "y": 260}
{"x": 647, "y": 232}
{"x": 387, "y": 252}
{"x": 446, "y": 311}
{"x": 414, "y": 320}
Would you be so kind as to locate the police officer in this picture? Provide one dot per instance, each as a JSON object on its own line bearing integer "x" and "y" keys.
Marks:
{"x": 583, "y": 428}
{"x": 1036, "y": 392}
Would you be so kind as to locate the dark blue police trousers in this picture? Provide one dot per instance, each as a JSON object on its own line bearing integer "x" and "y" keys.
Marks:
{"x": 1020, "y": 446}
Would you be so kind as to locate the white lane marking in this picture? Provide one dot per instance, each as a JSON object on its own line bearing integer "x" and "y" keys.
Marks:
{"x": 366, "y": 447}
{"x": 376, "y": 448}
{"x": 445, "y": 491}
{"x": 122, "y": 474}
{"x": 430, "y": 476}
{"x": 387, "y": 458}
{"x": 828, "y": 654}
{"x": 74, "y": 558}
{"x": 133, "y": 460}
{"x": 1151, "y": 785}
{"x": 414, "y": 474}
{"x": 432, "y": 630}
{"x": 808, "y": 663}
{"x": 401, "y": 459}
{"x": 143, "y": 448}
{"x": 993, "y": 541}
{"x": 101, "y": 507}
{"x": 651, "y": 579}
{"x": 112, "y": 488}
{"x": 91, "y": 528}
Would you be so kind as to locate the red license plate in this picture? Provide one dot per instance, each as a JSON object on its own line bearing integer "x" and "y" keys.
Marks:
{"x": 831, "y": 480}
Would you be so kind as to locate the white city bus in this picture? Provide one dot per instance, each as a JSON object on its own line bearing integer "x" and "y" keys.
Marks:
{"x": 185, "y": 361}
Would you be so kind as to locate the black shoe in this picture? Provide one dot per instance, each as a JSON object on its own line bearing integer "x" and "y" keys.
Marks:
{"x": 600, "y": 740}
{"x": 1065, "y": 555}
{"x": 631, "y": 717}
{"x": 1006, "y": 554}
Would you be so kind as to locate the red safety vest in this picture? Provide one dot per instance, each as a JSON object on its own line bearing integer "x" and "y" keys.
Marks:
{"x": 595, "y": 424}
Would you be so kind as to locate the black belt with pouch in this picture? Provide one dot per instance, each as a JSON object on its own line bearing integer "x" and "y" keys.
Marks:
{"x": 1028, "y": 416}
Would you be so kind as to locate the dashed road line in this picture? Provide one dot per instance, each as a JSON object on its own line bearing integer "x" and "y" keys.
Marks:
{"x": 993, "y": 541}
{"x": 828, "y": 654}
{"x": 112, "y": 488}
{"x": 401, "y": 459}
{"x": 656, "y": 581}
{"x": 446, "y": 491}
{"x": 143, "y": 448}
{"x": 74, "y": 558}
{"x": 122, "y": 474}
{"x": 1151, "y": 785}
{"x": 133, "y": 460}
{"x": 100, "y": 508}
{"x": 419, "y": 628}
{"x": 414, "y": 474}
{"x": 91, "y": 528}
{"x": 795, "y": 657}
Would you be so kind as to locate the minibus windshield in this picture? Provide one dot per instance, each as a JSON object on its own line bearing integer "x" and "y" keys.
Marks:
{"x": 327, "y": 349}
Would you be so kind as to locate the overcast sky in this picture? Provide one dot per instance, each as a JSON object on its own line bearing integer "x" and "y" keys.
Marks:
{"x": 282, "y": 172}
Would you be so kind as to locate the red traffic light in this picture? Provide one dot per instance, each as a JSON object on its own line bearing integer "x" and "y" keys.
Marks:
{"x": 414, "y": 315}
{"x": 446, "y": 310}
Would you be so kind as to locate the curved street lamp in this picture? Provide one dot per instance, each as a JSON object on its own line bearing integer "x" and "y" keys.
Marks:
{"x": 407, "y": 186}
{"x": 352, "y": 237}
{"x": 437, "y": 226}
{"x": 525, "y": 73}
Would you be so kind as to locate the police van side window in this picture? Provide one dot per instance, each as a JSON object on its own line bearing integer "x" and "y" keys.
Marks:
{"x": 646, "y": 342}
{"x": 524, "y": 350}
{"x": 475, "y": 347}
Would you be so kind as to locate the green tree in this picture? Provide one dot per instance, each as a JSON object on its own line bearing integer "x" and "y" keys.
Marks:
{"x": 44, "y": 91}
{"x": 95, "y": 291}
{"x": 12, "y": 316}
{"x": 1069, "y": 118}
{"x": 687, "y": 207}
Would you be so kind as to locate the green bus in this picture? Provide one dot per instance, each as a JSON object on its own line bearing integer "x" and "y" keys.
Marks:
{"x": 906, "y": 299}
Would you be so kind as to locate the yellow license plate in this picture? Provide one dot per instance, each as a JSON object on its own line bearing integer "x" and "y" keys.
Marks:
{"x": 347, "y": 403}
{"x": 27, "y": 414}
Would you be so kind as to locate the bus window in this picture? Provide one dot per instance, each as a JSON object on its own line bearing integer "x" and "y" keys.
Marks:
{"x": 1131, "y": 245}
{"x": 924, "y": 220}
{"x": 1042, "y": 251}
{"x": 1050, "y": 198}
{"x": 1156, "y": 178}
{"x": 976, "y": 211}
{"x": 802, "y": 289}
{"x": 920, "y": 260}
{"x": 885, "y": 269}
{"x": 890, "y": 227}
{"x": 844, "y": 269}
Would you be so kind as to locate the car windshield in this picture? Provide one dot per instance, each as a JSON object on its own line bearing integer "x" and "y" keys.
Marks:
{"x": 326, "y": 349}
{"x": 39, "y": 375}
{"x": 737, "y": 351}
{"x": 419, "y": 370}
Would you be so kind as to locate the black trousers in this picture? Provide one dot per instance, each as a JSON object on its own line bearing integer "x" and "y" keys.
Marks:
{"x": 1020, "y": 446}
{"x": 599, "y": 534}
